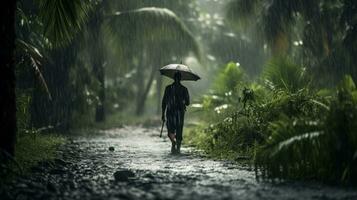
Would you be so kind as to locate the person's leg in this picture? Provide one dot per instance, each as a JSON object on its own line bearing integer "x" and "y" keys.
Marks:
{"x": 179, "y": 132}
{"x": 173, "y": 142}
{"x": 179, "y": 139}
{"x": 171, "y": 132}
{"x": 172, "y": 137}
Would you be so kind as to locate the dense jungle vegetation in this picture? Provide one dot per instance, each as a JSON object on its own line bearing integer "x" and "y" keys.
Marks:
{"x": 297, "y": 118}
{"x": 278, "y": 78}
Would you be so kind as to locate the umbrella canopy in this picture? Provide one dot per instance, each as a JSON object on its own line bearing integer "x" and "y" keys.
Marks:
{"x": 186, "y": 73}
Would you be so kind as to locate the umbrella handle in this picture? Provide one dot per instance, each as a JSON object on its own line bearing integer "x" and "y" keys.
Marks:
{"x": 162, "y": 127}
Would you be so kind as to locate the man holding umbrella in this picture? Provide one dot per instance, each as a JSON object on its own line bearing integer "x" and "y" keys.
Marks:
{"x": 174, "y": 102}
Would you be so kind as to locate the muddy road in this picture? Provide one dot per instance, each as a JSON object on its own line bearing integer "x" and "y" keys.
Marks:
{"x": 141, "y": 167}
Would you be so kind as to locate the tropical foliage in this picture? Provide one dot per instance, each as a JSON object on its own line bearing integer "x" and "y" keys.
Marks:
{"x": 287, "y": 130}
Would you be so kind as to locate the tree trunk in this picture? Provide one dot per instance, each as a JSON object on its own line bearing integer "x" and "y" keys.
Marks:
{"x": 7, "y": 78}
{"x": 98, "y": 65}
{"x": 140, "y": 106}
{"x": 100, "y": 109}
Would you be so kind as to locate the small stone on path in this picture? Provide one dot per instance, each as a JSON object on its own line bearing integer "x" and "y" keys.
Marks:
{"x": 123, "y": 175}
{"x": 60, "y": 161}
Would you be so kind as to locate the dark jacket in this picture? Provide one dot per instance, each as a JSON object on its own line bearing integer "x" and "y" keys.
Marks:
{"x": 176, "y": 98}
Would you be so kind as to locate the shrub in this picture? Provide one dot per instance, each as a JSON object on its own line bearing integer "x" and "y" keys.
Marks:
{"x": 319, "y": 146}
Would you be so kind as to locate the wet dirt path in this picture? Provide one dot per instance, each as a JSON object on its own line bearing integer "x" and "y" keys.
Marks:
{"x": 148, "y": 171}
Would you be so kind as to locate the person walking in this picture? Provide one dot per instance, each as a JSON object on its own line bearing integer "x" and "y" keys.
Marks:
{"x": 174, "y": 102}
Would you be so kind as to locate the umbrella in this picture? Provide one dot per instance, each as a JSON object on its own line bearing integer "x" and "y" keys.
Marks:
{"x": 186, "y": 73}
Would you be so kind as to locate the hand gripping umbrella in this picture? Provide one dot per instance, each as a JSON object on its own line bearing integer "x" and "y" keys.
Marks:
{"x": 186, "y": 75}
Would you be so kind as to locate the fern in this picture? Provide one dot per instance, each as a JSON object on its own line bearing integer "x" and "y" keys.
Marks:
{"x": 284, "y": 75}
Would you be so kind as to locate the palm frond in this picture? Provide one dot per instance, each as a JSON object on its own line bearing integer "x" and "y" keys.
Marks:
{"x": 34, "y": 57}
{"x": 35, "y": 66}
{"x": 62, "y": 18}
{"x": 151, "y": 25}
{"x": 282, "y": 74}
{"x": 296, "y": 139}
{"x": 320, "y": 104}
{"x": 29, "y": 49}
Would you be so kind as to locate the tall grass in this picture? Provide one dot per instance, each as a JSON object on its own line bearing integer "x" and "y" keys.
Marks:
{"x": 32, "y": 146}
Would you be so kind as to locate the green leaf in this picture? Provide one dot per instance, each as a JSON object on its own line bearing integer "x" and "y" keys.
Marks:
{"x": 347, "y": 84}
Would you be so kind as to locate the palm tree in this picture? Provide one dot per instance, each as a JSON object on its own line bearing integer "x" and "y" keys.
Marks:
{"x": 52, "y": 30}
{"x": 62, "y": 32}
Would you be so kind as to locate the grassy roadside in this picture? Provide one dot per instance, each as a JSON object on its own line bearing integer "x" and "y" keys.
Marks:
{"x": 30, "y": 150}
{"x": 197, "y": 137}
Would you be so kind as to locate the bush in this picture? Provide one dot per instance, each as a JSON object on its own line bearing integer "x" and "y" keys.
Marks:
{"x": 229, "y": 78}
{"x": 320, "y": 146}
{"x": 225, "y": 95}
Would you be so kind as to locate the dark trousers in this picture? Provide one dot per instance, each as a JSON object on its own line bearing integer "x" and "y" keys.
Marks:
{"x": 174, "y": 123}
